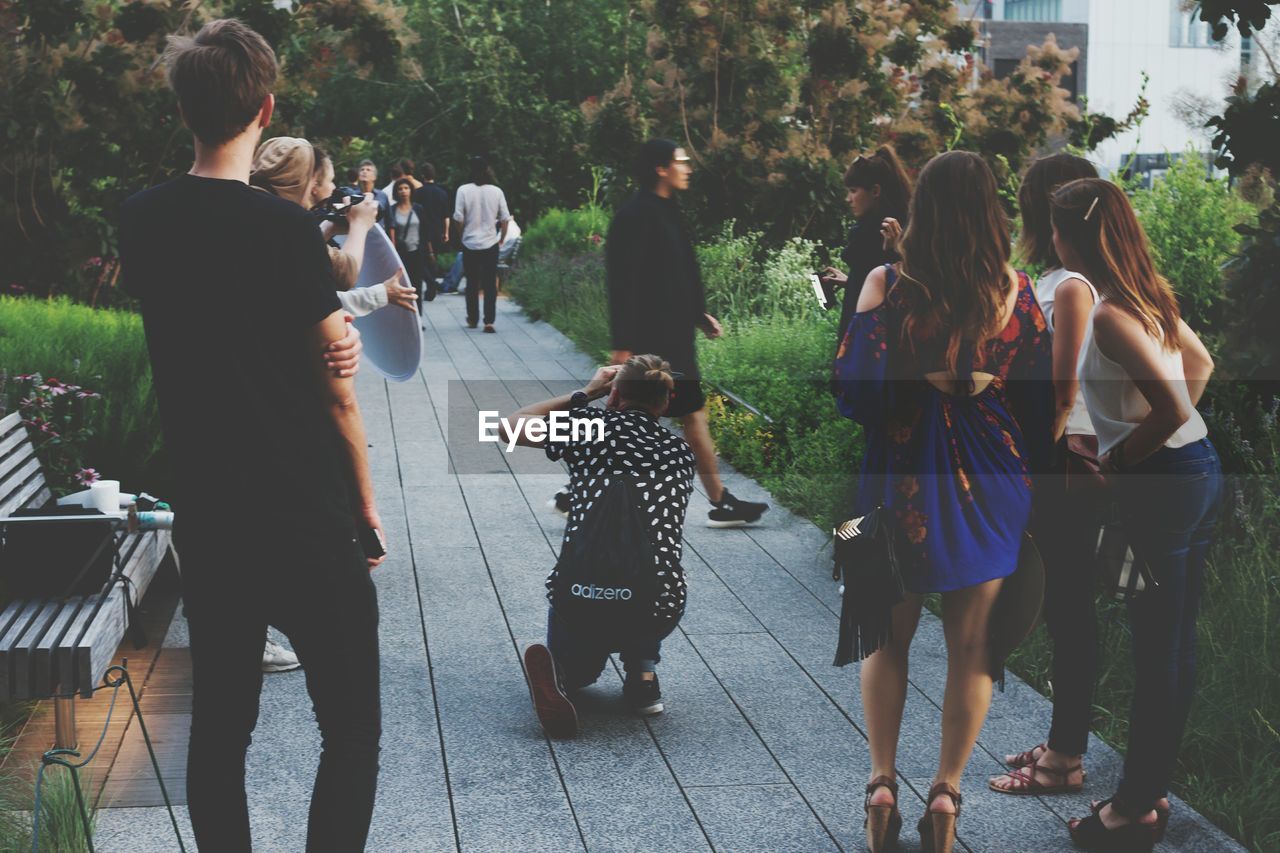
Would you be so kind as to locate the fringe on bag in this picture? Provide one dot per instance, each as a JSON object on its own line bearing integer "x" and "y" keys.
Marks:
{"x": 865, "y": 558}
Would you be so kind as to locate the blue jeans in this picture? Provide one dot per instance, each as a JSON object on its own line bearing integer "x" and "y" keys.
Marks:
{"x": 453, "y": 278}
{"x": 582, "y": 657}
{"x": 1169, "y": 505}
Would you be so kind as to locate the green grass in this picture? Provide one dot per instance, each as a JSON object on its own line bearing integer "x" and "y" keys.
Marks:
{"x": 103, "y": 350}
{"x": 808, "y": 459}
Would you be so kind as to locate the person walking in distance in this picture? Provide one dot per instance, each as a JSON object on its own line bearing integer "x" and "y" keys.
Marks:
{"x": 407, "y": 233}
{"x": 366, "y": 180}
{"x": 434, "y": 200}
{"x": 656, "y": 302}
{"x": 480, "y": 210}
{"x": 268, "y": 448}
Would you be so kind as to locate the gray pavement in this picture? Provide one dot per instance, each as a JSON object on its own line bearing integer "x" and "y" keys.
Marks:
{"x": 762, "y": 744}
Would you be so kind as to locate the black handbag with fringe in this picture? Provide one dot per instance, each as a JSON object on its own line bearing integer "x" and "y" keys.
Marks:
{"x": 867, "y": 561}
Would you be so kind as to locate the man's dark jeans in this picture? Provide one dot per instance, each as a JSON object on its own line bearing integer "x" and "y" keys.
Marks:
{"x": 326, "y": 604}
{"x": 582, "y": 657}
{"x": 481, "y": 269}
{"x": 1169, "y": 504}
{"x": 1065, "y": 527}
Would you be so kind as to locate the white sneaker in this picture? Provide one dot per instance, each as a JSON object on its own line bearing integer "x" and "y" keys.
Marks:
{"x": 276, "y": 658}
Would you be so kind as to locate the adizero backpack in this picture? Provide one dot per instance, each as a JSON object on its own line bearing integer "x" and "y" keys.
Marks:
{"x": 606, "y": 582}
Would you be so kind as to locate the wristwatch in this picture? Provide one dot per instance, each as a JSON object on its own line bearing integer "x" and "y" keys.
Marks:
{"x": 579, "y": 398}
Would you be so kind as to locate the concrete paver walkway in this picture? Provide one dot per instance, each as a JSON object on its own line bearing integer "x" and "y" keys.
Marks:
{"x": 762, "y": 745}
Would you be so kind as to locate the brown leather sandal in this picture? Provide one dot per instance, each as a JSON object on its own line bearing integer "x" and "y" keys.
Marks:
{"x": 1028, "y": 756}
{"x": 882, "y": 823}
{"x": 938, "y": 829}
{"x": 1029, "y": 786}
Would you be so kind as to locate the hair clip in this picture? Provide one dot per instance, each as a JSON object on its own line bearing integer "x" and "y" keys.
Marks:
{"x": 1089, "y": 212}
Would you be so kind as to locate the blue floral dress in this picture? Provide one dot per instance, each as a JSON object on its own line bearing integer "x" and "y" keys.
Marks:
{"x": 954, "y": 472}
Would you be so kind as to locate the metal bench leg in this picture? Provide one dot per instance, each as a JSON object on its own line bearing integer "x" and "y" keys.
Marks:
{"x": 64, "y": 723}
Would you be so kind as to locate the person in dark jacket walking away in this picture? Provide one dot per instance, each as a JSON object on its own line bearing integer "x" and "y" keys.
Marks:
{"x": 879, "y": 194}
{"x": 656, "y": 302}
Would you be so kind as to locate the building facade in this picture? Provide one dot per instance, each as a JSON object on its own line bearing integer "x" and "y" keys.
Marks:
{"x": 1189, "y": 75}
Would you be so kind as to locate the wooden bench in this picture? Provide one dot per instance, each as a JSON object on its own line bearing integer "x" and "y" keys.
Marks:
{"x": 60, "y": 648}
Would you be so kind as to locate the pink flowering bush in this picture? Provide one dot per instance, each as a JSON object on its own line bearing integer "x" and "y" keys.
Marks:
{"x": 56, "y": 415}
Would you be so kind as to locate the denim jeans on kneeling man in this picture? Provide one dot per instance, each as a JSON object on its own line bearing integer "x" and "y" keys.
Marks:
{"x": 582, "y": 657}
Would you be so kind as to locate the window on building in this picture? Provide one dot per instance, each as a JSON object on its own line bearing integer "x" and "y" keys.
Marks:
{"x": 1185, "y": 27}
{"x": 1246, "y": 55}
{"x": 1033, "y": 10}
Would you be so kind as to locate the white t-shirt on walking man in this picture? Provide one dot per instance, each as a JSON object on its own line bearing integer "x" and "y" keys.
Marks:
{"x": 482, "y": 209}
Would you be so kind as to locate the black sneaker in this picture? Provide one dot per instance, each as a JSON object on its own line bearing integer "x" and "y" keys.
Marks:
{"x": 555, "y": 711}
{"x": 429, "y": 290}
{"x": 643, "y": 695}
{"x": 731, "y": 512}
{"x": 559, "y": 503}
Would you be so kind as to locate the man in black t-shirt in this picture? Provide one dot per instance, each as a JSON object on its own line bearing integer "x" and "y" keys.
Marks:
{"x": 268, "y": 446}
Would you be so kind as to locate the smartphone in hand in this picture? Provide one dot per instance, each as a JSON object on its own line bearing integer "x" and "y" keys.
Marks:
{"x": 371, "y": 542}
{"x": 822, "y": 291}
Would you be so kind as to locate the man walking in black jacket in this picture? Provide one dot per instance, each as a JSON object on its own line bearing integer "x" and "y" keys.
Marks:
{"x": 656, "y": 302}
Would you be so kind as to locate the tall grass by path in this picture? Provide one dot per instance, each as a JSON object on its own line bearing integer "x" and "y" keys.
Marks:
{"x": 106, "y": 351}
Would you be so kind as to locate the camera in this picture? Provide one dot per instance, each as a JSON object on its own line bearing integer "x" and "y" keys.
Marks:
{"x": 335, "y": 207}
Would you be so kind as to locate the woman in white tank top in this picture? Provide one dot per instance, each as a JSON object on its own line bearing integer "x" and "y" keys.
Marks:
{"x": 1067, "y": 510}
{"x": 1143, "y": 370}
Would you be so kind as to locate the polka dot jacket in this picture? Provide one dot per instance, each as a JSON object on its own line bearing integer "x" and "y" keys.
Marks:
{"x": 661, "y": 467}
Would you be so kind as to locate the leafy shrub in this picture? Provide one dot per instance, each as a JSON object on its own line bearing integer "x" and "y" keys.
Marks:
{"x": 105, "y": 350}
{"x": 1190, "y": 219}
{"x": 742, "y": 280}
{"x": 807, "y": 455}
{"x": 568, "y": 292}
{"x": 567, "y": 232}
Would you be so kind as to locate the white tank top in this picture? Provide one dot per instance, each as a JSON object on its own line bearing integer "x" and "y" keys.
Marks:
{"x": 1116, "y": 406}
{"x": 1078, "y": 422}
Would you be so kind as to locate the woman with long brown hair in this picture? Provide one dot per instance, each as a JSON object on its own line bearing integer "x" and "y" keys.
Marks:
{"x": 1068, "y": 512}
{"x": 947, "y": 368}
{"x": 1143, "y": 370}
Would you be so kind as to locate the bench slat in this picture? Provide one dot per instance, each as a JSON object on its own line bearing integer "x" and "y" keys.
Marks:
{"x": 10, "y": 422}
{"x": 21, "y": 653}
{"x": 43, "y": 657}
{"x": 22, "y": 486}
{"x": 11, "y": 440}
{"x": 28, "y": 610}
{"x": 14, "y": 462}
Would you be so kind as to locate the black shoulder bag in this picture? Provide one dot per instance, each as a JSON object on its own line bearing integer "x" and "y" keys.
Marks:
{"x": 867, "y": 561}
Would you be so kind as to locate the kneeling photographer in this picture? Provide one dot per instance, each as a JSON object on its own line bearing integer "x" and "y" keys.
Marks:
{"x": 295, "y": 170}
{"x": 618, "y": 585}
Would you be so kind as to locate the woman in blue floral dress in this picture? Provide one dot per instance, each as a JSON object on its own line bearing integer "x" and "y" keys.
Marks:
{"x": 947, "y": 365}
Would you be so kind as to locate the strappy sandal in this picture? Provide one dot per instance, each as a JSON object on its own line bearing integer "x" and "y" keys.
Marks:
{"x": 1162, "y": 817}
{"x": 1091, "y": 833}
{"x": 1028, "y": 757}
{"x": 1028, "y": 786}
{"x": 938, "y": 829}
{"x": 882, "y": 823}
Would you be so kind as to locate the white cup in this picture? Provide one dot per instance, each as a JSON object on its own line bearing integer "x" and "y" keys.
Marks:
{"x": 104, "y": 496}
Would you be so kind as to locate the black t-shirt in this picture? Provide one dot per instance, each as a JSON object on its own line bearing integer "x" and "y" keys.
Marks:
{"x": 435, "y": 209}
{"x": 231, "y": 279}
